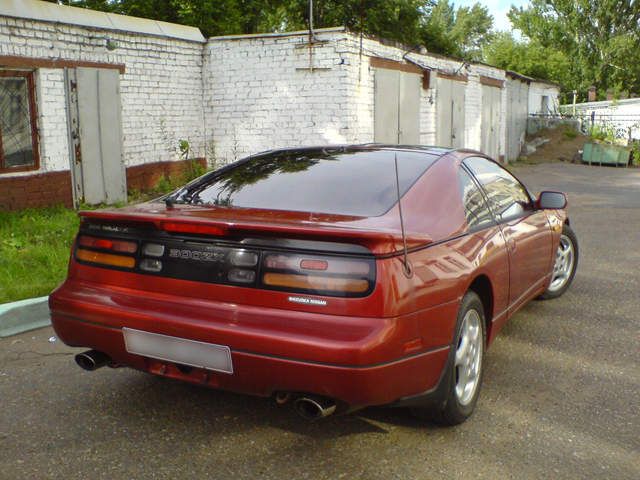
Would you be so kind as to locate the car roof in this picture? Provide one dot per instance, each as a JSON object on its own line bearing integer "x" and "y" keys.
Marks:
{"x": 428, "y": 149}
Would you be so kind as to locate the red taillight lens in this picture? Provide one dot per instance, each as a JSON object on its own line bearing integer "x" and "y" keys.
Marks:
{"x": 108, "y": 244}
{"x": 321, "y": 275}
{"x": 314, "y": 264}
{"x": 179, "y": 227}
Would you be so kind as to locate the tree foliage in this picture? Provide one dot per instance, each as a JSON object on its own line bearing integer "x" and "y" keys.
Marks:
{"x": 601, "y": 37}
{"x": 528, "y": 57}
{"x": 458, "y": 32}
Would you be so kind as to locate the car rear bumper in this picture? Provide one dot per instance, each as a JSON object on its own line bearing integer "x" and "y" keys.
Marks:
{"x": 271, "y": 349}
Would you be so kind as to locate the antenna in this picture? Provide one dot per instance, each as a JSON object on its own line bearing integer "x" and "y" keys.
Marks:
{"x": 407, "y": 267}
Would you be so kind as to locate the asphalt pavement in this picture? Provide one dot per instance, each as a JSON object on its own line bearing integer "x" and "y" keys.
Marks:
{"x": 560, "y": 400}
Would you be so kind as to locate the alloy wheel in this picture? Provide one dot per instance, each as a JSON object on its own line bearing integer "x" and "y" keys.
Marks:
{"x": 468, "y": 358}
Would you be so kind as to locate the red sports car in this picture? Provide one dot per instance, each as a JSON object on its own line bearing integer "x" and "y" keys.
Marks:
{"x": 334, "y": 277}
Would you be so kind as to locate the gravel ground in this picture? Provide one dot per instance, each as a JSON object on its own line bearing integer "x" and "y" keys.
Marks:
{"x": 560, "y": 398}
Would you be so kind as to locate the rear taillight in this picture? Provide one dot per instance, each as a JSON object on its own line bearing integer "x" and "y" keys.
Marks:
{"x": 321, "y": 275}
{"x": 106, "y": 251}
{"x": 121, "y": 246}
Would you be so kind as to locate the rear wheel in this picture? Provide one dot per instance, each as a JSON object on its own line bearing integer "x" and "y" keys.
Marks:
{"x": 463, "y": 376}
{"x": 565, "y": 265}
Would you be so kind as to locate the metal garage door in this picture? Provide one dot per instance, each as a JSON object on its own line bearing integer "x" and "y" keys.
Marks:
{"x": 517, "y": 110}
{"x": 450, "y": 110}
{"x": 397, "y": 107}
{"x": 93, "y": 97}
{"x": 491, "y": 102}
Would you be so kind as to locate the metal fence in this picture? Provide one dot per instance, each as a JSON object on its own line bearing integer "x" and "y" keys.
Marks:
{"x": 622, "y": 127}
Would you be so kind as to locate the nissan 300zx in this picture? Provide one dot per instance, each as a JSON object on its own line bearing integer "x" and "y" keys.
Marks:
{"x": 332, "y": 277}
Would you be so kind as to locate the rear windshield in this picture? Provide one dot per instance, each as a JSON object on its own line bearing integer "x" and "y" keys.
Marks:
{"x": 360, "y": 183}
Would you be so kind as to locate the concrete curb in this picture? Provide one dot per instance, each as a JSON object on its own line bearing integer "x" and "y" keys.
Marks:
{"x": 24, "y": 315}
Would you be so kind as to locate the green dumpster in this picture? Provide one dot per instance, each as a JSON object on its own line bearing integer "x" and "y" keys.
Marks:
{"x": 603, "y": 154}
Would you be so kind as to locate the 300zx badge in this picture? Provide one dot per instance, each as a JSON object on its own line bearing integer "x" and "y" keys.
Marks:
{"x": 196, "y": 255}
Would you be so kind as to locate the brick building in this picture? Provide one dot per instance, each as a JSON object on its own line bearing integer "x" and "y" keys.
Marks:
{"x": 94, "y": 103}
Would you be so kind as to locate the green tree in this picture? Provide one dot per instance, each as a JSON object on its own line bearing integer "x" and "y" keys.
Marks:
{"x": 458, "y": 32}
{"x": 601, "y": 38}
{"x": 528, "y": 57}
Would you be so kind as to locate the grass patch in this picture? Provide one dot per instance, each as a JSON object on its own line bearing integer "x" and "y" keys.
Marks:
{"x": 34, "y": 251}
{"x": 35, "y": 244}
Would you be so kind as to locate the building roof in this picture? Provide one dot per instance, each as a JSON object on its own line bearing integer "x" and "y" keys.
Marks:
{"x": 605, "y": 103}
{"x": 51, "y": 12}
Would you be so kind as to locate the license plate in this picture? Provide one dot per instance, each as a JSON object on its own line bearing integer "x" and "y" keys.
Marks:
{"x": 178, "y": 350}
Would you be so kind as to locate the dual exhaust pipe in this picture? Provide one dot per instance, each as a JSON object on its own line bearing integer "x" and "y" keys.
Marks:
{"x": 310, "y": 407}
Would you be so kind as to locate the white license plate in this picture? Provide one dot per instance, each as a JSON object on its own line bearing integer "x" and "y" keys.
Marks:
{"x": 178, "y": 350}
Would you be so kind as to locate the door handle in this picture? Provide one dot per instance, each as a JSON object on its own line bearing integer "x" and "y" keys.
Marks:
{"x": 511, "y": 244}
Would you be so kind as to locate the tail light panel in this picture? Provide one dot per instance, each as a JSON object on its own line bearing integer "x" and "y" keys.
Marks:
{"x": 320, "y": 275}
{"x": 225, "y": 261}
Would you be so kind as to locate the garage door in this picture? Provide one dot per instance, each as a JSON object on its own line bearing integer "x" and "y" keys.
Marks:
{"x": 93, "y": 97}
{"x": 397, "y": 107}
{"x": 450, "y": 112}
{"x": 491, "y": 102}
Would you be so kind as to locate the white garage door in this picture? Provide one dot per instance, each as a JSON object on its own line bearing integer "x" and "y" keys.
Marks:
{"x": 397, "y": 107}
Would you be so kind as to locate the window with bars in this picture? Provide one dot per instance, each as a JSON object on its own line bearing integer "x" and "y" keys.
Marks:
{"x": 18, "y": 129}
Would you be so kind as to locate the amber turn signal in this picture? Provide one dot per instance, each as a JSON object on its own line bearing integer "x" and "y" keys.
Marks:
{"x": 105, "y": 258}
{"x": 312, "y": 282}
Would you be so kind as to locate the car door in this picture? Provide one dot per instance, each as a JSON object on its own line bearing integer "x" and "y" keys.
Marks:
{"x": 526, "y": 230}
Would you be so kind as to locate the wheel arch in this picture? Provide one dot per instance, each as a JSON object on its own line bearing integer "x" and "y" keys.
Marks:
{"x": 481, "y": 286}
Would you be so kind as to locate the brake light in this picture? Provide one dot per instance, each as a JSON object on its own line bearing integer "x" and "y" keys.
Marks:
{"x": 322, "y": 275}
{"x": 314, "y": 264}
{"x": 108, "y": 244}
{"x": 105, "y": 258}
{"x": 179, "y": 227}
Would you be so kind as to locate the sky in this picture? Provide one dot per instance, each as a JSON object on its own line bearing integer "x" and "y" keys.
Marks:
{"x": 497, "y": 8}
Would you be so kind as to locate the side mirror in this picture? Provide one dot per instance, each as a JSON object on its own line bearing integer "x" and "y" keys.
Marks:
{"x": 551, "y": 200}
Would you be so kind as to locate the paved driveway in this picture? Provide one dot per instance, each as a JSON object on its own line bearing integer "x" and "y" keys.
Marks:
{"x": 561, "y": 397}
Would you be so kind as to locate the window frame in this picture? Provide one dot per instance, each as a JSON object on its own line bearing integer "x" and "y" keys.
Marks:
{"x": 463, "y": 169}
{"x": 499, "y": 218}
{"x": 33, "y": 119}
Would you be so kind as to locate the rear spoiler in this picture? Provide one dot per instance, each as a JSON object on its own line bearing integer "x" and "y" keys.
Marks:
{"x": 379, "y": 241}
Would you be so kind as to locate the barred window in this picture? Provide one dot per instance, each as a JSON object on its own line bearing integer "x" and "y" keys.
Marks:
{"x": 18, "y": 133}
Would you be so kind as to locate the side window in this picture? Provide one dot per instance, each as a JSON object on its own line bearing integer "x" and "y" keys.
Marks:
{"x": 508, "y": 198}
{"x": 475, "y": 206}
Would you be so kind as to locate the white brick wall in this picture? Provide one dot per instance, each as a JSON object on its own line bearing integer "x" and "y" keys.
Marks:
{"x": 537, "y": 90}
{"x": 161, "y": 89}
{"x": 261, "y": 94}
{"x": 52, "y": 119}
{"x": 232, "y": 96}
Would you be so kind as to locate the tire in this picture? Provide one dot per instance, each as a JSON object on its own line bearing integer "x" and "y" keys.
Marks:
{"x": 465, "y": 367}
{"x": 565, "y": 265}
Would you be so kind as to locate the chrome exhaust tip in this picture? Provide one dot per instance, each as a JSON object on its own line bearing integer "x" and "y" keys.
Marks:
{"x": 92, "y": 360}
{"x": 283, "y": 397}
{"x": 314, "y": 407}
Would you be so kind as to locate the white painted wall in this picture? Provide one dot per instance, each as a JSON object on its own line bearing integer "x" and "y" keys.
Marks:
{"x": 539, "y": 89}
{"x": 161, "y": 88}
{"x": 233, "y": 96}
{"x": 622, "y": 115}
{"x": 260, "y": 92}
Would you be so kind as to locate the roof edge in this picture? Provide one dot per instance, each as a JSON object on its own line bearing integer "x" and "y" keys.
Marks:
{"x": 297, "y": 33}
{"x": 83, "y": 17}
